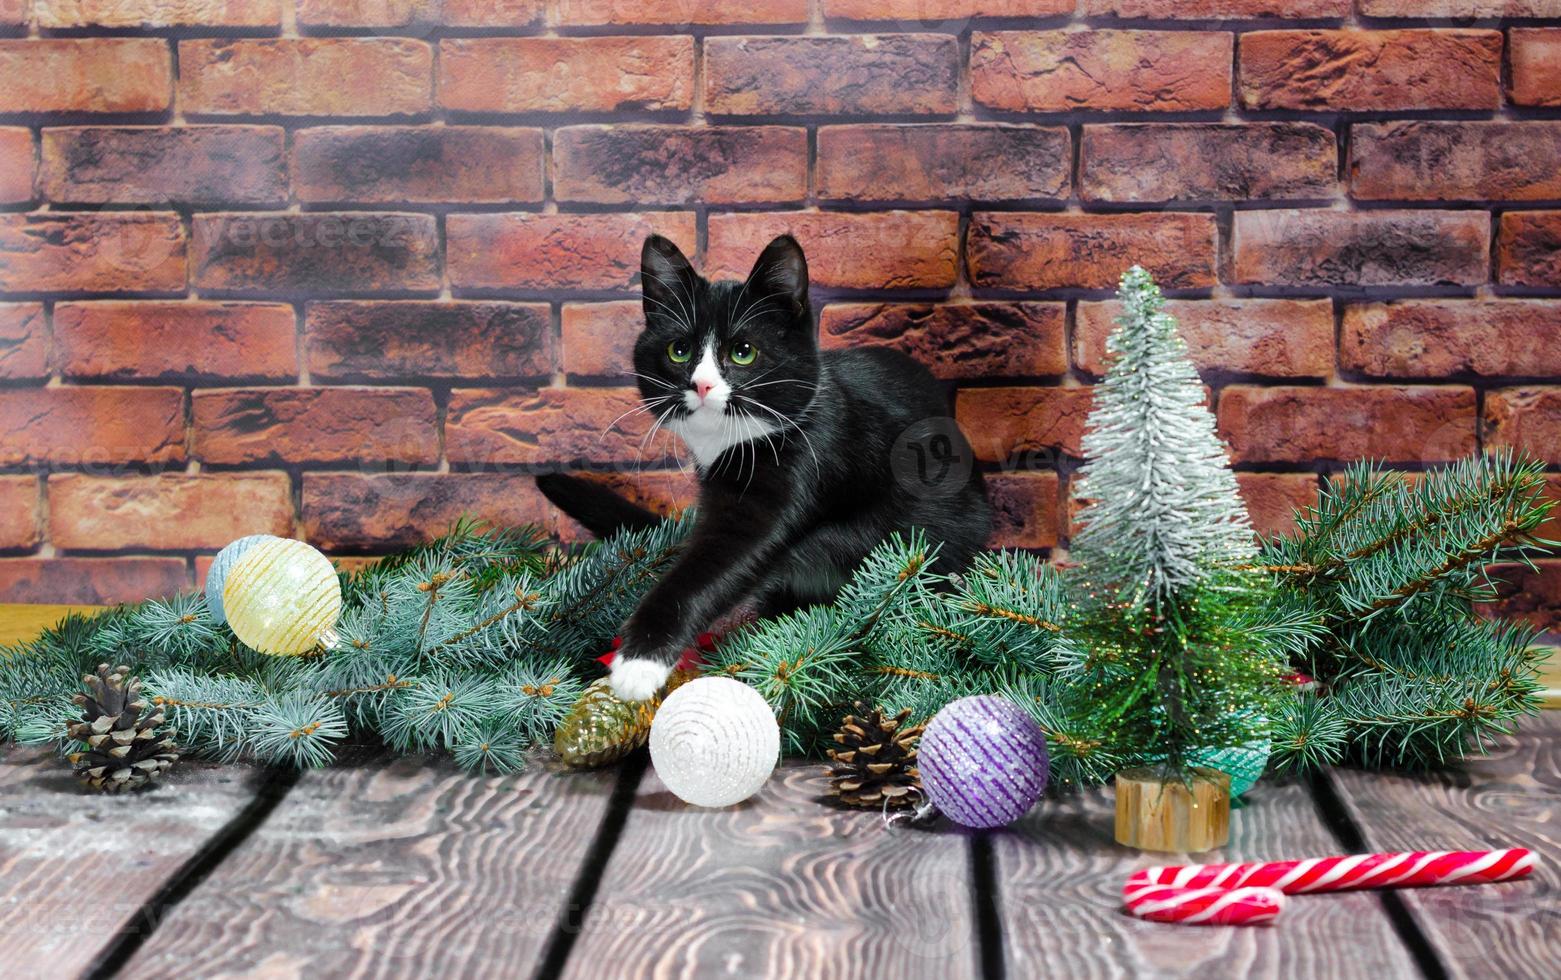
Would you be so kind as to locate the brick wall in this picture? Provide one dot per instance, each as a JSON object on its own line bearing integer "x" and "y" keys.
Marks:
{"x": 344, "y": 268}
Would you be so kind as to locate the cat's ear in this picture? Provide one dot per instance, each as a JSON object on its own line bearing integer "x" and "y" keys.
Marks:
{"x": 666, "y": 278}
{"x": 782, "y": 272}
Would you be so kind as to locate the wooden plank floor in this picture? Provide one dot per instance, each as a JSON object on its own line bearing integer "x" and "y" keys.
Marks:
{"x": 1511, "y": 798}
{"x": 78, "y": 870}
{"x": 781, "y": 886}
{"x": 1060, "y": 874}
{"x": 391, "y": 868}
{"x": 396, "y": 868}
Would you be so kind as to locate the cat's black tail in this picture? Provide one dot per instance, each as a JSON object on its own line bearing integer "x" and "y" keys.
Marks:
{"x": 602, "y": 511}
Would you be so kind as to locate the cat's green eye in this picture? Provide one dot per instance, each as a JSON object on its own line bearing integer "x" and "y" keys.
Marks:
{"x": 744, "y": 353}
{"x": 679, "y": 352}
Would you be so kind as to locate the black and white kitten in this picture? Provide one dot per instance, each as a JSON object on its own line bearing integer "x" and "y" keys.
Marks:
{"x": 801, "y": 454}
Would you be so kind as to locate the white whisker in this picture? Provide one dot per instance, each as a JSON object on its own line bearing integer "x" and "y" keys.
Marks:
{"x": 653, "y": 380}
{"x": 676, "y": 289}
{"x": 817, "y": 466}
{"x": 752, "y": 312}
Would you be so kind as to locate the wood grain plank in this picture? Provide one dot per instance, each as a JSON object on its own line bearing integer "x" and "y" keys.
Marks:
{"x": 780, "y": 886}
{"x": 1060, "y": 875}
{"x": 1550, "y": 680}
{"x": 1511, "y": 798}
{"x": 76, "y": 867}
{"x": 400, "y": 868}
{"x": 20, "y": 622}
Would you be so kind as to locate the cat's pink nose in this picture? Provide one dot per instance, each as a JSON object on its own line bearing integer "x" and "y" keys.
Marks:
{"x": 702, "y": 388}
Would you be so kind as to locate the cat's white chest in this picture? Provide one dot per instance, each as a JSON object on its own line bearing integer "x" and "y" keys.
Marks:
{"x": 708, "y": 434}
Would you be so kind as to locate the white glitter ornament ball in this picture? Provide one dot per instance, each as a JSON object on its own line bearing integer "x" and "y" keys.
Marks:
{"x": 714, "y": 742}
{"x": 217, "y": 575}
{"x": 282, "y": 597}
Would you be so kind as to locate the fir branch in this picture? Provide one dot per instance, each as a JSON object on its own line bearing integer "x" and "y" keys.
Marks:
{"x": 493, "y": 748}
{"x": 1481, "y": 550}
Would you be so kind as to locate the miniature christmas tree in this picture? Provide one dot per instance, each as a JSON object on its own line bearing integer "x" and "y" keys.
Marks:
{"x": 1174, "y": 648}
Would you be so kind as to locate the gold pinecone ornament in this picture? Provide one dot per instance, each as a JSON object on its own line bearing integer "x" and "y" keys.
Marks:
{"x": 124, "y": 749}
{"x": 876, "y": 764}
{"x": 601, "y": 729}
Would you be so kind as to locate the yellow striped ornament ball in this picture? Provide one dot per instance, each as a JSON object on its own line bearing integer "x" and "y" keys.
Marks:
{"x": 282, "y": 597}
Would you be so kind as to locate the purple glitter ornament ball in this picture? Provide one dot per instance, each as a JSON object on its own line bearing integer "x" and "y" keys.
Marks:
{"x": 983, "y": 761}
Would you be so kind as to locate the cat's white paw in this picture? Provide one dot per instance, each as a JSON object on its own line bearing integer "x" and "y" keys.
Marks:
{"x": 635, "y": 679}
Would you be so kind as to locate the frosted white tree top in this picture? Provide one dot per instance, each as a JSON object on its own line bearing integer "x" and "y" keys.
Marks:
{"x": 1162, "y": 505}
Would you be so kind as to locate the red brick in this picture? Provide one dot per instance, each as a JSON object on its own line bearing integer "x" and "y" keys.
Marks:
{"x": 1218, "y": 9}
{"x": 642, "y": 165}
{"x": 13, "y": 13}
{"x": 91, "y": 581}
{"x": 19, "y": 525}
{"x": 599, "y": 338}
{"x": 101, "y": 74}
{"x": 1528, "y": 249}
{"x": 1365, "y": 71}
{"x": 92, "y": 426}
{"x": 24, "y": 342}
{"x": 566, "y": 74}
{"x": 499, "y": 427}
{"x": 315, "y": 425}
{"x": 1536, "y": 65}
{"x": 1371, "y": 248}
{"x": 942, "y": 162}
{"x": 1028, "y": 251}
{"x": 1136, "y": 71}
{"x": 351, "y": 564}
{"x": 1531, "y": 595}
{"x": 1273, "y": 498}
{"x": 194, "y": 165}
{"x": 16, "y": 165}
{"x": 66, "y": 14}
{"x": 175, "y": 340}
{"x": 168, "y": 512}
{"x": 909, "y": 13}
{"x": 858, "y": 73}
{"x": 421, "y": 14}
{"x": 1527, "y": 418}
{"x": 99, "y": 252}
{"x": 304, "y": 76}
{"x": 1014, "y": 426}
{"x": 1024, "y": 509}
{"x": 1456, "y": 161}
{"x": 317, "y": 252}
{"x": 957, "y": 340}
{"x": 665, "y": 492}
{"x": 883, "y": 250}
{"x": 1551, "y": 529}
{"x": 418, "y": 164}
{"x": 679, "y": 13}
{"x": 449, "y": 339}
{"x": 1275, "y": 338}
{"x": 1459, "y": 8}
{"x": 1436, "y": 338}
{"x": 359, "y": 512}
{"x": 556, "y": 251}
{"x": 1206, "y": 162}
{"x": 1304, "y": 425}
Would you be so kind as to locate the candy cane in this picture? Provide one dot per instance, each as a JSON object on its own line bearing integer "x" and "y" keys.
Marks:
{"x": 1204, "y": 906}
{"x": 1411, "y": 869}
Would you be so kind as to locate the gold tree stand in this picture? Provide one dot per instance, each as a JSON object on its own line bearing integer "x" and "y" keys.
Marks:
{"x": 1157, "y": 814}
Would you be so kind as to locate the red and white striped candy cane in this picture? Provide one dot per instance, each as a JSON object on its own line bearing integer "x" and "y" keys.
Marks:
{"x": 1204, "y": 906}
{"x": 1410, "y": 869}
